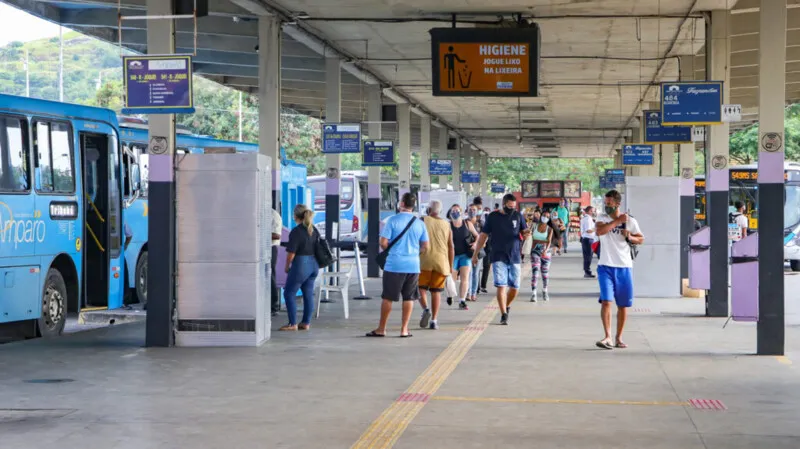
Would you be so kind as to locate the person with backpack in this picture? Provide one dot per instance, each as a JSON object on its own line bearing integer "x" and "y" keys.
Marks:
{"x": 619, "y": 235}
{"x": 403, "y": 239}
{"x": 739, "y": 219}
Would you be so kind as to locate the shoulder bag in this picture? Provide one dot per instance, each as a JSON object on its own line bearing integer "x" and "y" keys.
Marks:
{"x": 383, "y": 255}
{"x": 322, "y": 252}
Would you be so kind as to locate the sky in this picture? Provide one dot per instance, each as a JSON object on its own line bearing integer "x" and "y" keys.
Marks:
{"x": 16, "y": 25}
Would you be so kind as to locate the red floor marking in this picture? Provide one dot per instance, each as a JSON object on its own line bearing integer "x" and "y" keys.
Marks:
{"x": 414, "y": 397}
{"x": 707, "y": 404}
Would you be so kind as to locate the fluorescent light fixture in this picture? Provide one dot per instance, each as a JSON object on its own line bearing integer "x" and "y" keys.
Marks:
{"x": 394, "y": 96}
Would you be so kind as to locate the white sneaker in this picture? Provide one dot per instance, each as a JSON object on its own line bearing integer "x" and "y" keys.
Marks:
{"x": 545, "y": 296}
{"x": 533, "y": 296}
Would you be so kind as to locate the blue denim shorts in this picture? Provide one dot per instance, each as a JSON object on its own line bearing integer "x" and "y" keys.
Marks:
{"x": 506, "y": 275}
{"x": 461, "y": 260}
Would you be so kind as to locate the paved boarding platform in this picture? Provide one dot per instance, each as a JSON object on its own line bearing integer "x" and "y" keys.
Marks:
{"x": 684, "y": 383}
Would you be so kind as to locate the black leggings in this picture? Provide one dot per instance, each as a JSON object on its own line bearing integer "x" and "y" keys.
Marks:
{"x": 485, "y": 274}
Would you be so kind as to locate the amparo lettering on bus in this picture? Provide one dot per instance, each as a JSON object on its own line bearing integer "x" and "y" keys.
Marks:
{"x": 20, "y": 229}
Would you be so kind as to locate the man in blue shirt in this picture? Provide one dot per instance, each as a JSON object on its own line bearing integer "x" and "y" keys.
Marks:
{"x": 563, "y": 214}
{"x": 507, "y": 228}
{"x": 401, "y": 273}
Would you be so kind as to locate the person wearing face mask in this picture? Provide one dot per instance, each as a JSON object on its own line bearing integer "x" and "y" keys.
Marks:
{"x": 542, "y": 236}
{"x": 588, "y": 235}
{"x": 617, "y": 232}
{"x": 505, "y": 228}
{"x": 464, "y": 237}
{"x": 472, "y": 217}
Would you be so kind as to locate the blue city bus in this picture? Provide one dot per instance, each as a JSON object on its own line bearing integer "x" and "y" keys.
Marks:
{"x": 134, "y": 137}
{"x": 61, "y": 220}
{"x": 353, "y": 193}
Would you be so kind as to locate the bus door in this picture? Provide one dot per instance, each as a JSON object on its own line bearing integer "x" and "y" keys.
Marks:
{"x": 103, "y": 233}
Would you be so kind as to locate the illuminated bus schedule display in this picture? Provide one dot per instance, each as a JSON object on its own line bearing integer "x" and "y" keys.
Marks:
{"x": 485, "y": 62}
{"x": 158, "y": 84}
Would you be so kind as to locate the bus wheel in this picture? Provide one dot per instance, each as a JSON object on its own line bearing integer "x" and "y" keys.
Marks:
{"x": 795, "y": 264}
{"x": 141, "y": 278}
{"x": 54, "y": 305}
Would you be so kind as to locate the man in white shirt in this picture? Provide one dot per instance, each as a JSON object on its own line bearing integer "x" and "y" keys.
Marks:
{"x": 740, "y": 219}
{"x": 617, "y": 232}
{"x": 277, "y": 229}
{"x": 588, "y": 235}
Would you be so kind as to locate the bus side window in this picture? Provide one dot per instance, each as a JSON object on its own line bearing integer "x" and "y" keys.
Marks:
{"x": 14, "y": 155}
{"x": 144, "y": 173}
{"x": 362, "y": 186}
{"x": 126, "y": 170}
{"x": 54, "y": 157}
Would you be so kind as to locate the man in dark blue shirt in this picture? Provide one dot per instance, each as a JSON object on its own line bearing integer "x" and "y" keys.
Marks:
{"x": 506, "y": 227}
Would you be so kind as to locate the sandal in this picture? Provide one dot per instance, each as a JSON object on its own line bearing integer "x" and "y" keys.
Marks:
{"x": 604, "y": 344}
{"x": 288, "y": 327}
{"x": 374, "y": 334}
{"x": 303, "y": 327}
{"x": 406, "y": 336}
{"x": 620, "y": 344}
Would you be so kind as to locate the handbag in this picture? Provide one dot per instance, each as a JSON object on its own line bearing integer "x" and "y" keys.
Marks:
{"x": 450, "y": 287}
{"x": 384, "y": 255}
{"x": 322, "y": 252}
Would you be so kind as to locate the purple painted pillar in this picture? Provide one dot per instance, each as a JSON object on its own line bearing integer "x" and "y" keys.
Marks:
{"x": 373, "y": 228}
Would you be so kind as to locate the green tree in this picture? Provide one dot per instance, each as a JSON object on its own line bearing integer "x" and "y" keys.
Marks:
{"x": 110, "y": 95}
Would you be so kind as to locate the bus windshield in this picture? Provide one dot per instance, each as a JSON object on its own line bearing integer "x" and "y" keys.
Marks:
{"x": 345, "y": 193}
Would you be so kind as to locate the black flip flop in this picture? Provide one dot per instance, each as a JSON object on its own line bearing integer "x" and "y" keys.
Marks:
{"x": 374, "y": 334}
{"x": 604, "y": 345}
{"x": 406, "y": 336}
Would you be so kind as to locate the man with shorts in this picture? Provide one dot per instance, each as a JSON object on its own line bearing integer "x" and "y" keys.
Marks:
{"x": 617, "y": 232}
{"x": 401, "y": 273}
{"x": 435, "y": 264}
{"x": 506, "y": 227}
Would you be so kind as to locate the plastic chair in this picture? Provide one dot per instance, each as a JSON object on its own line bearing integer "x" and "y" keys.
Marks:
{"x": 341, "y": 278}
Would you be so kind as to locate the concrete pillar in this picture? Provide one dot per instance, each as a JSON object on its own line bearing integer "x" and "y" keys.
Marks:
{"x": 404, "y": 148}
{"x": 636, "y": 137}
{"x": 484, "y": 177}
{"x": 772, "y": 87}
{"x": 161, "y": 218}
{"x": 687, "y": 175}
{"x": 667, "y": 160}
{"x": 466, "y": 154}
{"x": 718, "y": 69}
{"x": 424, "y": 159}
{"x": 457, "y": 166}
{"x": 269, "y": 98}
{"x": 618, "y": 158}
{"x": 333, "y": 162}
{"x": 444, "y": 136}
{"x": 374, "y": 116}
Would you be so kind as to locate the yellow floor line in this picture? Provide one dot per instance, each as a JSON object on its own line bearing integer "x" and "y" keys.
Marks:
{"x": 783, "y": 359}
{"x": 557, "y": 401}
{"x": 384, "y": 432}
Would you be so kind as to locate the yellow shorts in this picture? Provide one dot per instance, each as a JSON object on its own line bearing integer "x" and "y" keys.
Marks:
{"x": 432, "y": 281}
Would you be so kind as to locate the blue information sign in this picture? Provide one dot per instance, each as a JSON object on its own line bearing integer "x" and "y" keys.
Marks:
{"x": 637, "y": 154}
{"x": 471, "y": 177}
{"x": 441, "y": 167}
{"x": 655, "y": 132}
{"x": 498, "y": 187}
{"x": 691, "y": 104}
{"x": 606, "y": 184}
{"x": 378, "y": 153}
{"x": 341, "y": 138}
{"x": 615, "y": 176}
{"x": 158, "y": 84}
